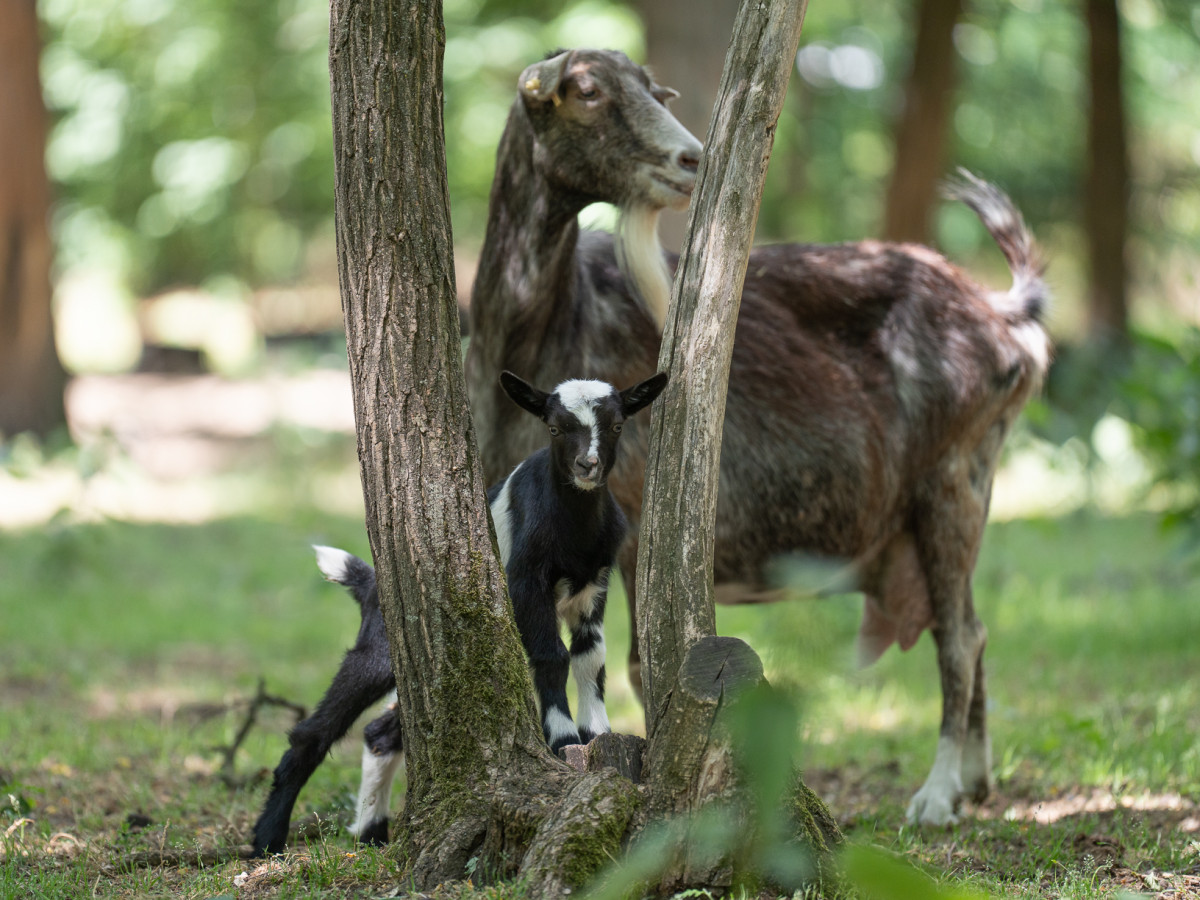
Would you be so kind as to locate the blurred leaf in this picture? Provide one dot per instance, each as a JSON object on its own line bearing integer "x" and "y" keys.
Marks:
{"x": 878, "y": 875}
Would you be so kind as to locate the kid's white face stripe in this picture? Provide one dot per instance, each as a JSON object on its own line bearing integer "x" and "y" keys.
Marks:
{"x": 579, "y": 393}
{"x": 580, "y": 397}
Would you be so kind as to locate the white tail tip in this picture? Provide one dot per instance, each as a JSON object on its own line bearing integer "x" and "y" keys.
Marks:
{"x": 333, "y": 563}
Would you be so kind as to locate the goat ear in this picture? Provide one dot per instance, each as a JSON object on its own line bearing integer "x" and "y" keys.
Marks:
{"x": 642, "y": 394}
{"x": 540, "y": 82}
{"x": 662, "y": 94}
{"x": 523, "y": 394}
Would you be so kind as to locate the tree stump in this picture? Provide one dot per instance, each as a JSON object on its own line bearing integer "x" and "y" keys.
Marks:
{"x": 622, "y": 752}
{"x": 691, "y": 760}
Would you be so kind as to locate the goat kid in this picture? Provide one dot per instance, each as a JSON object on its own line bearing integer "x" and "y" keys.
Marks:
{"x": 871, "y": 385}
{"x": 558, "y": 530}
{"x": 364, "y": 678}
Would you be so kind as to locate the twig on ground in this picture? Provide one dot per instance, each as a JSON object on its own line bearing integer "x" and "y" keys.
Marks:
{"x": 260, "y": 699}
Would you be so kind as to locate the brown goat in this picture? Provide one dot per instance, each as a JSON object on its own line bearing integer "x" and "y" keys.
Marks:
{"x": 870, "y": 390}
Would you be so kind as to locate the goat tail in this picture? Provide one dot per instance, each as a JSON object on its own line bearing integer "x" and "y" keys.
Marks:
{"x": 345, "y": 568}
{"x": 1029, "y": 296}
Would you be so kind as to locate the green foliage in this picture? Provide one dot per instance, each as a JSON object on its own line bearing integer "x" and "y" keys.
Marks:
{"x": 881, "y": 876}
{"x": 1160, "y": 397}
{"x": 192, "y": 141}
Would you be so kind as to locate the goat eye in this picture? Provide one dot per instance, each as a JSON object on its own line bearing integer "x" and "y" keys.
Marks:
{"x": 553, "y": 431}
{"x": 588, "y": 93}
{"x": 617, "y": 427}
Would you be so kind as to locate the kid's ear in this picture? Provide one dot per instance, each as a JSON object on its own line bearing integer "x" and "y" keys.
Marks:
{"x": 523, "y": 394}
{"x": 642, "y": 394}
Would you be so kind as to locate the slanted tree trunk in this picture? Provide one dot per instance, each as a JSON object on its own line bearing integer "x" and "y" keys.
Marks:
{"x": 31, "y": 378}
{"x": 482, "y": 784}
{"x": 1107, "y": 185}
{"x": 921, "y": 132}
{"x": 690, "y": 677}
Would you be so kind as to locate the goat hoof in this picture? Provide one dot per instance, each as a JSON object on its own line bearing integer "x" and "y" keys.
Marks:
{"x": 375, "y": 834}
{"x": 933, "y": 808}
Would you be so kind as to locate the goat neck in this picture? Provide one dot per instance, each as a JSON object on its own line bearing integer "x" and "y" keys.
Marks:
{"x": 525, "y": 284}
{"x": 529, "y": 246}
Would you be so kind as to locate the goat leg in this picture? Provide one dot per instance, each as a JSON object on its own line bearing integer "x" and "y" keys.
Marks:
{"x": 383, "y": 754}
{"x": 960, "y": 638}
{"x": 587, "y": 664}
{"x": 550, "y": 681}
{"x": 627, "y": 559}
{"x": 363, "y": 678}
{"x": 977, "y": 752}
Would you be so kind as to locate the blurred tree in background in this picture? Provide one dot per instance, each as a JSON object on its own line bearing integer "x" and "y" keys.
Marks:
{"x": 31, "y": 378}
{"x": 1107, "y": 180}
{"x": 686, "y": 42}
{"x": 920, "y": 145}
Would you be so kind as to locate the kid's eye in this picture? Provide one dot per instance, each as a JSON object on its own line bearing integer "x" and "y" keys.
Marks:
{"x": 588, "y": 93}
{"x": 553, "y": 431}
{"x": 617, "y": 427}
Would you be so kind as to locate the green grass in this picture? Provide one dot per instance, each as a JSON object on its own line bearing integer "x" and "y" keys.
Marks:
{"x": 119, "y": 641}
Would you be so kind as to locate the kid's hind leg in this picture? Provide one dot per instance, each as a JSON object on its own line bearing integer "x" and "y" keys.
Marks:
{"x": 383, "y": 754}
{"x": 363, "y": 678}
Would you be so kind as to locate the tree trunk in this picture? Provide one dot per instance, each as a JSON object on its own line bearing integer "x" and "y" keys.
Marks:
{"x": 1107, "y": 188}
{"x": 685, "y": 43}
{"x": 481, "y": 781}
{"x": 676, "y": 542}
{"x": 31, "y": 378}
{"x": 920, "y": 157}
{"x": 690, "y": 677}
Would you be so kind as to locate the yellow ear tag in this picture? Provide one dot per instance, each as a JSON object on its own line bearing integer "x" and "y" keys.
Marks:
{"x": 533, "y": 84}
{"x": 557, "y": 99}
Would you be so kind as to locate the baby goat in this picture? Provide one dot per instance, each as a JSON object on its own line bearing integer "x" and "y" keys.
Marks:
{"x": 363, "y": 678}
{"x": 558, "y": 530}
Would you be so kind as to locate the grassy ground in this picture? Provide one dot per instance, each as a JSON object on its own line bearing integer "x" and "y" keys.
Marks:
{"x": 127, "y": 652}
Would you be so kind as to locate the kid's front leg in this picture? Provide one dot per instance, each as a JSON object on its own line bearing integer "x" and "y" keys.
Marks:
{"x": 587, "y": 662}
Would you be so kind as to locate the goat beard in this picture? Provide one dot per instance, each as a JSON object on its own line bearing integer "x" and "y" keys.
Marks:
{"x": 640, "y": 256}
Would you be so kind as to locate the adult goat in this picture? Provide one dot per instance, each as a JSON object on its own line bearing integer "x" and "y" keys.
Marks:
{"x": 870, "y": 390}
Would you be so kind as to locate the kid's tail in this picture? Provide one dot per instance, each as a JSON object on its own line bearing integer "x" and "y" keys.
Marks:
{"x": 345, "y": 568}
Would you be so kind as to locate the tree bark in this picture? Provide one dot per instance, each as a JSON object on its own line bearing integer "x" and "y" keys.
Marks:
{"x": 31, "y": 377}
{"x": 482, "y": 784}
{"x": 920, "y": 156}
{"x": 690, "y": 677}
{"x": 1107, "y": 187}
